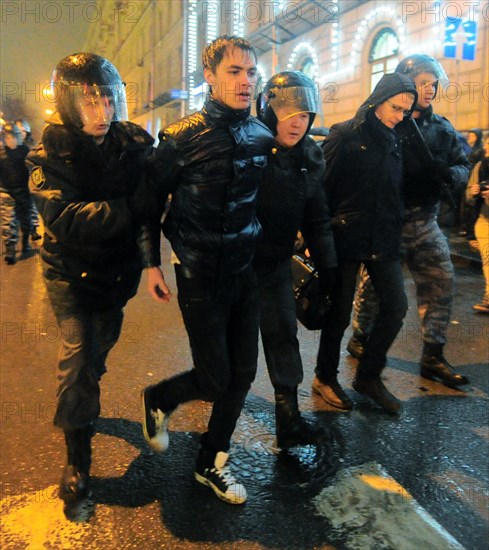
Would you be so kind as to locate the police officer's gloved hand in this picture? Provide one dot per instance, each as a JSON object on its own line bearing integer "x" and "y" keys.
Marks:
{"x": 439, "y": 169}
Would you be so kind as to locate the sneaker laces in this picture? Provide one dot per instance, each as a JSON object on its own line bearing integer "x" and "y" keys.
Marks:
{"x": 225, "y": 474}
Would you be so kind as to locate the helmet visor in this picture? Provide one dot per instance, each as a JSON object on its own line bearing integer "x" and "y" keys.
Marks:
{"x": 287, "y": 102}
{"x": 96, "y": 103}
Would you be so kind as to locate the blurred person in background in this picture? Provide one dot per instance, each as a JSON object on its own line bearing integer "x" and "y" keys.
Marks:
{"x": 477, "y": 194}
{"x": 16, "y": 202}
{"x": 27, "y": 139}
{"x": 470, "y": 210}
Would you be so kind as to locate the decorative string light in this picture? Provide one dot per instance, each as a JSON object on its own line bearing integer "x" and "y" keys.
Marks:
{"x": 192, "y": 50}
{"x": 311, "y": 51}
{"x": 238, "y": 21}
{"x": 211, "y": 22}
{"x": 359, "y": 39}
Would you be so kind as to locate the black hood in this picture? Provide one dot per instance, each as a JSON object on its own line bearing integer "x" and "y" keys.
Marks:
{"x": 388, "y": 86}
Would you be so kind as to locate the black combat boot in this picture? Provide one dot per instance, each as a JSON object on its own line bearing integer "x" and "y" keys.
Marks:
{"x": 291, "y": 429}
{"x": 356, "y": 344}
{"x": 74, "y": 489}
{"x": 435, "y": 367}
{"x": 26, "y": 245}
{"x": 9, "y": 257}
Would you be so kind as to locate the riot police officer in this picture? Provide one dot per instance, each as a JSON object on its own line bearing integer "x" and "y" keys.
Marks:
{"x": 84, "y": 179}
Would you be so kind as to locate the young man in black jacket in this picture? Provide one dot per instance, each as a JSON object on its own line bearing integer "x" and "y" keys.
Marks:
{"x": 84, "y": 179}
{"x": 363, "y": 186}
{"x": 210, "y": 162}
{"x": 290, "y": 198}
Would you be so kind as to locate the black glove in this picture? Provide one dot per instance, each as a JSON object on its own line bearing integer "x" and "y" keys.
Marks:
{"x": 439, "y": 170}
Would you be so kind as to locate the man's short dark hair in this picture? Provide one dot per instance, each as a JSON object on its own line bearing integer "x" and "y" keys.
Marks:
{"x": 215, "y": 51}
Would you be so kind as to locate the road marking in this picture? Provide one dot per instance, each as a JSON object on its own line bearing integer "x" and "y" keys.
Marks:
{"x": 368, "y": 509}
{"x": 35, "y": 520}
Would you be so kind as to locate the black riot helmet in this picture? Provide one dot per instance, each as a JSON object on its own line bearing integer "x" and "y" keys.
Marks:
{"x": 418, "y": 63}
{"x": 88, "y": 87}
{"x": 286, "y": 94}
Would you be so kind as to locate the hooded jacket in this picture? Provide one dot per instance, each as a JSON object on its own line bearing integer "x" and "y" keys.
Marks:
{"x": 363, "y": 179}
{"x": 210, "y": 162}
{"x": 90, "y": 253}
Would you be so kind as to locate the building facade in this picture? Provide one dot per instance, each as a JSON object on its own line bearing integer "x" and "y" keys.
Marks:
{"x": 345, "y": 45}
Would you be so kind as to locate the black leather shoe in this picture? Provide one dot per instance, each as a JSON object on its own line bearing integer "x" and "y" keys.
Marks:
{"x": 332, "y": 393}
{"x": 438, "y": 368}
{"x": 375, "y": 389}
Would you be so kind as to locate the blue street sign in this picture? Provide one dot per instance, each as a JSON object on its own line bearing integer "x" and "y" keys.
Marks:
{"x": 179, "y": 94}
{"x": 460, "y": 39}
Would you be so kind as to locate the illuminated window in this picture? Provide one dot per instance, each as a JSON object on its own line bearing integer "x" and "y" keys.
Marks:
{"x": 383, "y": 57}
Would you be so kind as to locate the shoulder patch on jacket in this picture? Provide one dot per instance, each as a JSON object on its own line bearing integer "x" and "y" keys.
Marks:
{"x": 37, "y": 176}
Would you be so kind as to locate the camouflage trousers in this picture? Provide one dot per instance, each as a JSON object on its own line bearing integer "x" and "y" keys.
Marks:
{"x": 15, "y": 214}
{"x": 426, "y": 253}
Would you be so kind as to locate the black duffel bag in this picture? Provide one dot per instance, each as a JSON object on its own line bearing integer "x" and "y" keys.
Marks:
{"x": 310, "y": 304}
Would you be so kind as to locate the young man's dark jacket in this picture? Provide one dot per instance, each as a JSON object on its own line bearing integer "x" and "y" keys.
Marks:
{"x": 85, "y": 195}
{"x": 291, "y": 198}
{"x": 363, "y": 179}
{"x": 210, "y": 163}
{"x": 422, "y": 183}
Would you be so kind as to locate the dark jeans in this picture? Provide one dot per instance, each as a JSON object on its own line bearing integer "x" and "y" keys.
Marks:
{"x": 221, "y": 318}
{"x": 388, "y": 282}
{"x": 87, "y": 339}
{"x": 278, "y": 324}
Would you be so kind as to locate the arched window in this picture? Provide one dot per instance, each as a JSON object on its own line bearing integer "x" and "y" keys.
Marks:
{"x": 383, "y": 56}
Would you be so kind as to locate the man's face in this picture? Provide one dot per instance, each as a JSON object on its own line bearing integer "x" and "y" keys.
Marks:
{"x": 234, "y": 79}
{"x": 393, "y": 110}
{"x": 426, "y": 87}
{"x": 22, "y": 130}
{"x": 96, "y": 113}
{"x": 11, "y": 141}
{"x": 291, "y": 128}
{"x": 471, "y": 138}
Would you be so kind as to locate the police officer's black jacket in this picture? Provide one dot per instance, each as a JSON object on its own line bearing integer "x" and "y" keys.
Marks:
{"x": 291, "y": 198}
{"x": 421, "y": 186}
{"x": 363, "y": 179}
{"x": 210, "y": 163}
{"x": 90, "y": 252}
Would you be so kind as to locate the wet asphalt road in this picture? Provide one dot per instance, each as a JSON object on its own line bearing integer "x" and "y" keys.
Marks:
{"x": 436, "y": 451}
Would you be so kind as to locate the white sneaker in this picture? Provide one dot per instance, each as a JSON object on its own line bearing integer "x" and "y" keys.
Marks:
{"x": 155, "y": 424}
{"x": 221, "y": 481}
